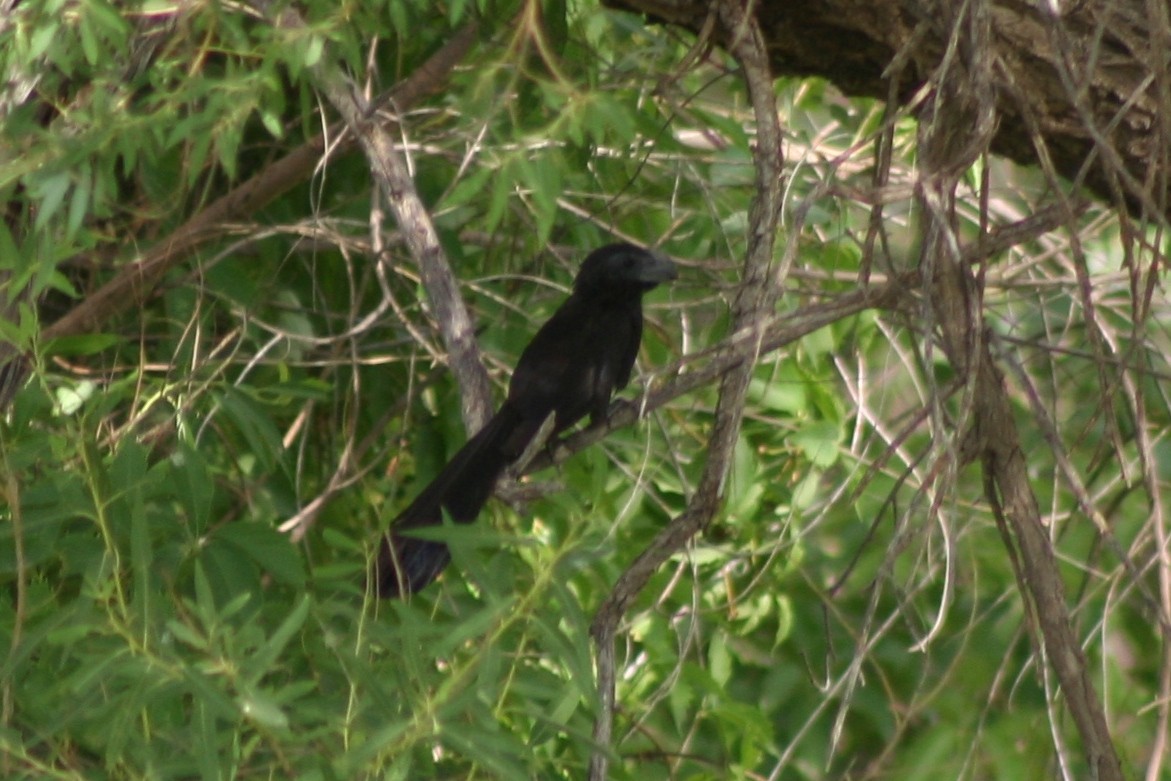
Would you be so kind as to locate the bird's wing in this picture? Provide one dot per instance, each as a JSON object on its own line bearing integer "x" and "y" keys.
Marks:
{"x": 575, "y": 361}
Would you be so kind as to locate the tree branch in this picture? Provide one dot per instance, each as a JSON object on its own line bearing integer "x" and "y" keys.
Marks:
{"x": 755, "y": 300}
{"x": 1087, "y": 79}
{"x": 389, "y": 170}
{"x": 958, "y": 122}
{"x": 136, "y": 280}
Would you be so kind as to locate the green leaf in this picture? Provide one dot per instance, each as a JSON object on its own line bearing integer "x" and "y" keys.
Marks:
{"x": 719, "y": 660}
{"x": 262, "y": 709}
{"x": 51, "y": 192}
{"x": 272, "y": 123}
{"x": 89, "y": 44}
{"x": 807, "y": 490}
{"x": 193, "y": 485}
{"x": 9, "y": 252}
{"x": 253, "y": 422}
{"x": 70, "y": 400}
{"x": 468, "y": 188}
{"x": 314, "y": 50}
{"x": 80, "y": 344}
{"x": 42, "y": 38}
{"x": 187, "y": 635}
{"x": 268, "y": 548}
{"x": 544, "y": 182}
{"x": 744, "y": 488}
{"x": 266, "y": 657}
{"x": 783, "y": 393}
{"x": 474, "y": 627}
{"x": 820, "y": 441}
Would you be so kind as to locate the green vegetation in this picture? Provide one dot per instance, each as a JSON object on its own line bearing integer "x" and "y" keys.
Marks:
{"x": 192, "y": 487}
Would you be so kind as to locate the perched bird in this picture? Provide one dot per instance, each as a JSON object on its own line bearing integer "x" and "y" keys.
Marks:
{"x": 570, "y": 369}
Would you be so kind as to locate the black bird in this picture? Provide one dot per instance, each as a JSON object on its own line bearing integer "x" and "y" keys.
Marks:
{"x": 570, "y": 369}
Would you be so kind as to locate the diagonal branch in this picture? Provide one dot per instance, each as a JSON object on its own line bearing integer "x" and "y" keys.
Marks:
{"x": 759, "y": 288}
{"x": 135, "y": 281}
{"x": 697, "y": 370}
{"x": 390, "y": 172}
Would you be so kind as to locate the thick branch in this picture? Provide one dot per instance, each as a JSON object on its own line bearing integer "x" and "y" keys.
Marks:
{"x": 1083, "y": 86}
{"x": 959, "y": 118}
{"x": 1011, "y": 495}
{"x": 390, "y": 172}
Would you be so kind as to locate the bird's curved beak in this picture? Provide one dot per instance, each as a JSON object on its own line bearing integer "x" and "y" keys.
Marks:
{"x": 658, "y": 268}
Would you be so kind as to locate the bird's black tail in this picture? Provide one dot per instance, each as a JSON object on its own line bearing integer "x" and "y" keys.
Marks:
{"x": 406, "y": 564}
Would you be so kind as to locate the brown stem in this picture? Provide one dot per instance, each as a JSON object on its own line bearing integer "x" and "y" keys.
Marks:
{"x": 389, "y": 170}
{"x": 755, "y": 300}
{"x": 956, "y": 125}
{"x": 136, "y": 280}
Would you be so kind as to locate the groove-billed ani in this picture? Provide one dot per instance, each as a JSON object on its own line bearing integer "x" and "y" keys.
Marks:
{"x": 570, "y": 369}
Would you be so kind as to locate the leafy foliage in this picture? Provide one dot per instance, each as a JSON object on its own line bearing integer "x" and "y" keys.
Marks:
{"x": 849, "y": 615}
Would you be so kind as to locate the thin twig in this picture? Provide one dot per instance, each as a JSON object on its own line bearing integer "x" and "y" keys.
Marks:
{"x": 957, "y": 125}
{"x": 135, "y": 281}
{"x": 390, "y": 171}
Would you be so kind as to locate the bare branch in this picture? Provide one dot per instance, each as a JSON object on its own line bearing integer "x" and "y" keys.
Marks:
{"x": 755, "y": 300}
{"x": 135, "y": 281}
{"x": 390, "y": 172}
{"x": 957, "y": 126}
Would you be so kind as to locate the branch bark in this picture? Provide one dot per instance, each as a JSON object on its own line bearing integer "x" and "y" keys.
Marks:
{"x": 136, "y": 280}
{"x": 389, "y": 170}
{"x": 755, "y": 300}
{"x": 958, "y": 122}
{"x": 1080, "y": 88}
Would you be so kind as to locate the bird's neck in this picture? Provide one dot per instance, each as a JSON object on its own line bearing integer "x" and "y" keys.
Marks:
{"x": 627, "y": 300}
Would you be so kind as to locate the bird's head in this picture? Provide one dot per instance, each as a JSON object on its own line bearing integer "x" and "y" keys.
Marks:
{"x": 623, "y": 267}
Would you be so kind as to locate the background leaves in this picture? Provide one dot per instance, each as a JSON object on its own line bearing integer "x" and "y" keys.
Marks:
{"x": 850, "y": 614}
